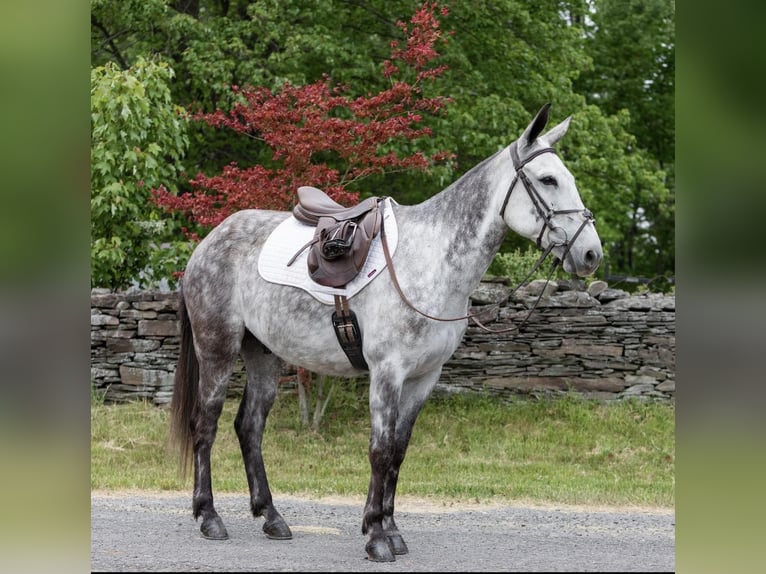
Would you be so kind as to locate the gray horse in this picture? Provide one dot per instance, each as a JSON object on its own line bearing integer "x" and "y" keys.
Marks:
{"x": 445, "y": 246}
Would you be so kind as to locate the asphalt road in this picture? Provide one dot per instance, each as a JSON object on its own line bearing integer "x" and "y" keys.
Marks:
{"x": 156, "y": 532}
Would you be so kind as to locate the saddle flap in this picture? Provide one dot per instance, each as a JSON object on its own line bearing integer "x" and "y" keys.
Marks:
{"x": 340, "y": 249}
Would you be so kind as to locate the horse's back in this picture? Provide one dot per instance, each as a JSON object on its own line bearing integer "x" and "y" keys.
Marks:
{"x": 221, "y": 259}
{"x": 225, "y": 292}
{"x": 238, "y": 238}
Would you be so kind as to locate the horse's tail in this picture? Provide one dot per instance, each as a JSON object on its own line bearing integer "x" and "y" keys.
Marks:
{"x": 184, "y": 400}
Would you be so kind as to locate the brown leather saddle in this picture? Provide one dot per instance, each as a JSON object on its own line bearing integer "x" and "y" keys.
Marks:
{"x": 337, "y": 253}
{"x": 343, "y": 235}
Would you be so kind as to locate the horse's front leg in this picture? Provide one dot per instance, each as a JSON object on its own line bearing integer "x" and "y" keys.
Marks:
{"x": 415, "y": 392}
{"x": 384, "y": 399}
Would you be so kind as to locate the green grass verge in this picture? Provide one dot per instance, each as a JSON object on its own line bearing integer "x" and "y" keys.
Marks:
{"x": 464, "y": 448}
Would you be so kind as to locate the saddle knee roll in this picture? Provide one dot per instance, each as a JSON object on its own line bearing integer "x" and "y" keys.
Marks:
{"x": 341, "y": 248}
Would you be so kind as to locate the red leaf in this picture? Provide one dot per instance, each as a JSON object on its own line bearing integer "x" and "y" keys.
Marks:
{"x": 305, "y": 125}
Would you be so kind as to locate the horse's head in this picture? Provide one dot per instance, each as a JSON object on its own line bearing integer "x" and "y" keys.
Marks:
{"x": 543, "y": 203}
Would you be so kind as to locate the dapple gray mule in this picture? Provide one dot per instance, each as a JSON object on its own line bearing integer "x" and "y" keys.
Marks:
{"x": 445, "y": 246}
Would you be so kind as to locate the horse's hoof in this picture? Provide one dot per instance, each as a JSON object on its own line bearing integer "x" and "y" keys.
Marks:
{"x": 398, "y": 544}
{"x": 277, "y": 529}
{"x": 213, "y": 529}
{"x": 380, "y": 550}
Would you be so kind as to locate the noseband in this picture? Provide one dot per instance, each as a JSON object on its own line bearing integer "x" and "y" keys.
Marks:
{"x": 543, "y": 209}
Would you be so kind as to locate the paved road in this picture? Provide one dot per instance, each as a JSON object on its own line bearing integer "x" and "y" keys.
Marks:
{"x": 156, "y": 532}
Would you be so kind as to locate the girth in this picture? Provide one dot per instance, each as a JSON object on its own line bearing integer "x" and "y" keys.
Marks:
{"x": 347, "y": 331}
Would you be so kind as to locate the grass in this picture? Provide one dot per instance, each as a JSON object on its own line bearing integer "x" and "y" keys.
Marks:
{"x": 464, "y": 448}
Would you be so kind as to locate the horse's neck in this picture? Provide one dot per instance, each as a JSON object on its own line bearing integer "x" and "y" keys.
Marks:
{"x": 462, "y": 228}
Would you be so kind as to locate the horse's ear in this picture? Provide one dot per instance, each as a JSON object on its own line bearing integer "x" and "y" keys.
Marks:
{"x": 553, "y": 135}
{"x": 535, "y": 128}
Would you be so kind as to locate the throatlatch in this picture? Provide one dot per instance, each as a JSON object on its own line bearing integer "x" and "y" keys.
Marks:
{"x": 347, "y": 330}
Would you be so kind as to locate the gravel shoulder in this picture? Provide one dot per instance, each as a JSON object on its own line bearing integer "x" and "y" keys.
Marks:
{"x": 155, "y": 531}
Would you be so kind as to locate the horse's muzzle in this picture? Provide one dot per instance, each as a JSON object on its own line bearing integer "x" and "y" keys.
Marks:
{"x": 582, "y": 262}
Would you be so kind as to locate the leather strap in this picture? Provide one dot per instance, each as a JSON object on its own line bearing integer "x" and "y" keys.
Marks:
{"x": 348, "y": 333}
{"x": 472, "y": 316}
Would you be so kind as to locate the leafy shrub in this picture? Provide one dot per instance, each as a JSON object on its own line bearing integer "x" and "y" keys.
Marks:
{"x": 517, "y": 263}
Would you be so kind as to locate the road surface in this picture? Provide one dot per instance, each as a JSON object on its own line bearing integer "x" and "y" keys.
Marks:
{"x": 139, "y": 531}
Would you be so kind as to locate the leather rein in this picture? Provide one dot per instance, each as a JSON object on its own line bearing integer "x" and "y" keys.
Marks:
{"x": 547, "y": 214}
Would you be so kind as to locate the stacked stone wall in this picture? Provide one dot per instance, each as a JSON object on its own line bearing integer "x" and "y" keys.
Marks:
{"x": 600, "y": 343}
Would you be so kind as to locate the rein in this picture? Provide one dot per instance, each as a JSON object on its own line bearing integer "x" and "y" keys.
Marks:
{"x": 547, "y": 215}
{"x": 472, "y": 316}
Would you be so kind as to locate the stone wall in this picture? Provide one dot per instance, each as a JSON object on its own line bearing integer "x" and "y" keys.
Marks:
{"x": 133, "y": 344}
{"x": 601, "y": 343}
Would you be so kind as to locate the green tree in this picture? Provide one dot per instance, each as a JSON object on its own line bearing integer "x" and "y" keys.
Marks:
{"x": 137, "y": 142}
{"x": 505, "y": 58}
{"x": 632, "y": 45}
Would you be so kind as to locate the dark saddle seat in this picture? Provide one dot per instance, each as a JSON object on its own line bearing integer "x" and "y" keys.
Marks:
{"x": 342, "y": 238}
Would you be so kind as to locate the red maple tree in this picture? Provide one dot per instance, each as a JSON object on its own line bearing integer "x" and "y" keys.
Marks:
{"x": 302, "y": 123}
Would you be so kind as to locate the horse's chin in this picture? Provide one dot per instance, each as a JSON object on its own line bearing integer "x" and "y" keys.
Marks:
{"x": 584, "y": 271}
{"x": 566, "y": 264}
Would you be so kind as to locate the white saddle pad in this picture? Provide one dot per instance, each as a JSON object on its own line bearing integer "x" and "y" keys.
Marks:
{"x": 290, "y": 235}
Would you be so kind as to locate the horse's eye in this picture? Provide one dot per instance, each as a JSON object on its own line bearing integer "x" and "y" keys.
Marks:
{"x": 548, "y": 180}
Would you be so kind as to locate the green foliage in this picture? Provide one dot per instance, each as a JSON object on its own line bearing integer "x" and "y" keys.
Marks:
{"x": 619, "y": 181}
{"x": 632, "y": 45}
{"x": 609, "y": 63}
{"x": 121, "y": 31}
{"x": 516, "y": 264}
{"x": 137, "y": 142}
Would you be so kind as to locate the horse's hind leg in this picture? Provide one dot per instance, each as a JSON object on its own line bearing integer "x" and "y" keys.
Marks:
{"x": 261, "y": 390}
{"x": 213, "y": 380}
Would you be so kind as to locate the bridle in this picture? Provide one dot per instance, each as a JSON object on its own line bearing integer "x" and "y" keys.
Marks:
{"x": 546, "y": 213}
{"x": 543, "y": 209}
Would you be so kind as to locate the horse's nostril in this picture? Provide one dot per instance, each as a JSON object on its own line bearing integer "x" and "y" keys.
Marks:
{"x": 591, "y": 257}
